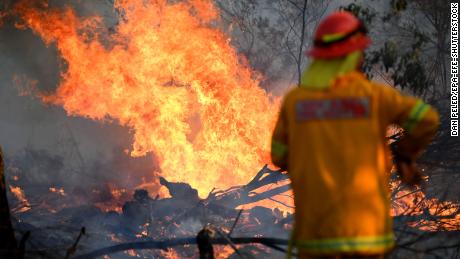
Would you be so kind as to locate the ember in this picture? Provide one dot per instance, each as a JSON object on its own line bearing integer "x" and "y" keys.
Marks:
{"x": 59, "y": 191}
{"x": 427, "y": 214}
{"x": 19, "y": 194}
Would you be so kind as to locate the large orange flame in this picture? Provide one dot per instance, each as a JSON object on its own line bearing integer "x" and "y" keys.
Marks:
{"x": 171, "y": 75}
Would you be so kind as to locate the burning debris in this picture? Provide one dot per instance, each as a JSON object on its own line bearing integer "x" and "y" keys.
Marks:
{"x": 147, "y": 219}
{"x": 19, "y": 194}
{"x": 198, "y": 107}
{"x": 143, "y": 226}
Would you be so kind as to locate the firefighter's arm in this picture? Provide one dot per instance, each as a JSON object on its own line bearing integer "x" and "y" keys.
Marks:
{"x": 420, "y": 128}
{"x": 420, "y": 122}
{"x": 279, "y": 147}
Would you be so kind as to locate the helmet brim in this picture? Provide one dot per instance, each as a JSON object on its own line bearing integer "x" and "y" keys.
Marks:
{"x": 340, "y": 49}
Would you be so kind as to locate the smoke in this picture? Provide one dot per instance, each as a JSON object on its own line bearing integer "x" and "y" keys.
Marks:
{"x": 44, "y": 148}
{"x": 50, "y": 148}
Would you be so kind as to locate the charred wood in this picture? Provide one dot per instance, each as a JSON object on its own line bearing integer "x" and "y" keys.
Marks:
{"x": 270, "y": 242}
{"x": 180, "y": 190}
{"x": 245, "y": 194}
{"x": 73, "y": 248}
{"x": 203, "y": 240}
{"x": 230, "y": 198}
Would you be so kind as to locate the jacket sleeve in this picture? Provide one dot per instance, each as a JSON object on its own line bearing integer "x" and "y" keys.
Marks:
{"x": 419, "y": 120}
{"x": 279, "y": 147}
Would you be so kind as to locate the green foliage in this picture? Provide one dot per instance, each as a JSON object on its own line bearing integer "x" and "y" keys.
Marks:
{"x": 406, "y": 67}
{"x": 364, "y": 14}
{"x": 398, "y": 5}
{"x": 402, "y": 60}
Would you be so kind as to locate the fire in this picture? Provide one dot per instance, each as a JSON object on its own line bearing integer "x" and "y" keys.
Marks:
{"x": 222, "y": 252}
{"x": 170, "y": 254}
{"x": 171, "y": 75}
{"x": 59, "y": 191}
{"x": 118, "y": 197}
{"x": 132, "y": 253}
{"x": 441, "y": 215}
{"x": 144, "y": 231}
{"x": 21, "y": 197}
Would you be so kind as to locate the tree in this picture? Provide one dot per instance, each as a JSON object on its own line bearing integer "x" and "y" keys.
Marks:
{"x": 273, "y": 35}
{"x": 411, "y": 44}
{"x": 305, "y": 17}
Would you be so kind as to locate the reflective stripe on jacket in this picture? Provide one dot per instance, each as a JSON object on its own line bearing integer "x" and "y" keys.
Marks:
{"x": 333, "y": 144}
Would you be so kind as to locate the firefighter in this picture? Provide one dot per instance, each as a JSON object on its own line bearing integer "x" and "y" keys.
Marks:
{"x": 331, "y": 138}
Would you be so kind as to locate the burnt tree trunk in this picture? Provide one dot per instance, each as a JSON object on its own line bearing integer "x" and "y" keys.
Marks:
{"x": 7, "y": 240}
{"x": 203, "y": 239}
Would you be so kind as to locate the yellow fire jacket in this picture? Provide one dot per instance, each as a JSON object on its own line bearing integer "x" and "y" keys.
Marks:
{"x": 333, "y": 144}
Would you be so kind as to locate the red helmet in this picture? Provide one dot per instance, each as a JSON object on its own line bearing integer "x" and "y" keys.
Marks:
{"x": 339, "y": 34}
